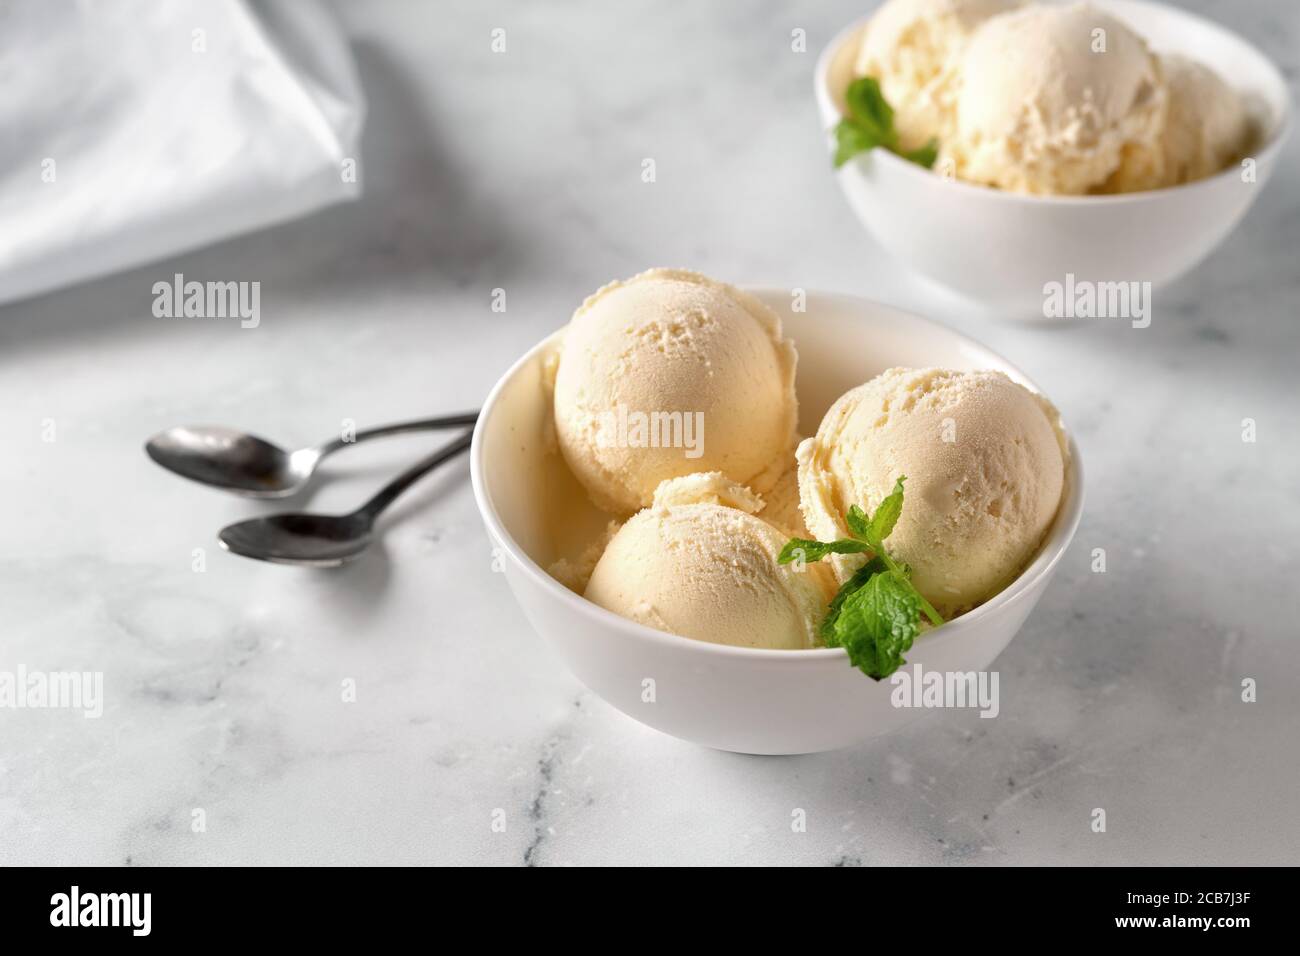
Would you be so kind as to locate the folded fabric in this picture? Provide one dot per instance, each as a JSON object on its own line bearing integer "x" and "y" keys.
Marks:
{"x": 132, "y": 130}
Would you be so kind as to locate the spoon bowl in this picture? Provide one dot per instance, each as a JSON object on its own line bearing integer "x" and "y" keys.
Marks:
{"x": 320, "y": 541}
{"x": 232, "y": 460}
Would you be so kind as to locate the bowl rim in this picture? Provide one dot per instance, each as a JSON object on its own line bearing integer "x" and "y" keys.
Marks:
{"x": 1053, "y": 548}
{"x": 1279, "y": 135}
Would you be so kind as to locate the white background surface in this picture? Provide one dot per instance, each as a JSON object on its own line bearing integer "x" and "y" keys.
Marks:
{"x": 522, "y": 171}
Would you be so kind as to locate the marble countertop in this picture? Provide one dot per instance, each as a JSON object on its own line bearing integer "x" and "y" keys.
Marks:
{"x": 522, "y": 172}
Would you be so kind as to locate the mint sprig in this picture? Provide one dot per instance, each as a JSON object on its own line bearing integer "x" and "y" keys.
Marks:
{"x": 808, "y": 550}
{"x": 876, "y": 614}
{"x": 870, "y": 123}
{"x": 877, "y": 624}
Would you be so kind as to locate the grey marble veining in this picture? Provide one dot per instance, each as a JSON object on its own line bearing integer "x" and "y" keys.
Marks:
{"x": 521, "y": 171}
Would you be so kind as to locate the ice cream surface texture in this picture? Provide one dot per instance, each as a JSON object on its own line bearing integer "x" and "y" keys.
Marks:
{"x": 1058, "y": 100}
{"x": 698, "y": 563}
{"x": 1208, "y": 125}
{"x": 911, "y": 47}
{"x": 781, "y": 502}
{"x": 984, "y": 459}
{"x": 670, "y": 373}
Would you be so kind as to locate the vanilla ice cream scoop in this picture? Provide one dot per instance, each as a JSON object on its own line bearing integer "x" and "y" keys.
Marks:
{"x": 1208, "y": 125}
{"x": 984, "y": 459}
{"x": 699, "y": 564}
{"x": 1058, "y": 100}
{"x": 911, "y": 47}
{"x": 667, "y": 374}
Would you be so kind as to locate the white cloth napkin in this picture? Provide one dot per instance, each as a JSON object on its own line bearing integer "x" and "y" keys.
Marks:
{"x": 131, "y": 130}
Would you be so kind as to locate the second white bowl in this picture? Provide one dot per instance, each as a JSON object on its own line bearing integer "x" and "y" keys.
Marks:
{"x": 1001, "y": 249}
{"x": 732, "y": 698}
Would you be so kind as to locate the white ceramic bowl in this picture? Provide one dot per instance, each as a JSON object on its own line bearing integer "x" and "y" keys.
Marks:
{"x": 733, "y": 698}
{"x": 1000, "y": 249}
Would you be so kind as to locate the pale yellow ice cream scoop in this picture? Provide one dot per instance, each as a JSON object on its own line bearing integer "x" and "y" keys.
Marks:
{"x": 1058, "y": 100}
{"x": 670, "y": 373}
{"x": 984, "y": 459}
{"x": 699, "y": 564}
{"x": 911, "y": 48}
{"x": 1208, "y": 126}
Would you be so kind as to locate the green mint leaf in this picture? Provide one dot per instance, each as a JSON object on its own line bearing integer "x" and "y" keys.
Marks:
{"x": 881, "y": 527}
{"x": 812, "y": 551}
{"x": 851, "y": 139}
{"x": 870, "y": 123}
{"x": 859, "y": 524}
{"x": 925, "y": 156}
{"x": 867, "y": 105}
{"x": 876, "y": 614}
{"x": 886, "y": 516}
{"x": 860, "y": 577}
{"x": 903, "y": 572}
{"x": 877, "y": 624}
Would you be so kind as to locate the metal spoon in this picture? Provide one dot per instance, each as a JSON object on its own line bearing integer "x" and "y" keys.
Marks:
{"x": 326, "y": 541}
{"x": 251, "y": 466}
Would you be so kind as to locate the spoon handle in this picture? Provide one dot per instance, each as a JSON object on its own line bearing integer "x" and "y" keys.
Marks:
{"x": 417, "y": 471}
{"x": 419, "y": 425}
